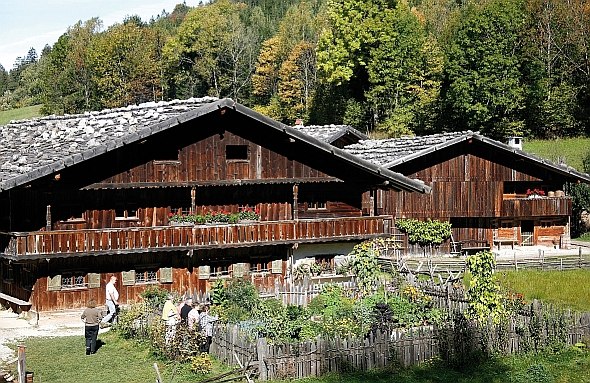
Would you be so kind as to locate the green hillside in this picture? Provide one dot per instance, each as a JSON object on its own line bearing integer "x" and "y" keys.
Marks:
{"x": 19, "y": 114}
{"x": 571, "y": 150}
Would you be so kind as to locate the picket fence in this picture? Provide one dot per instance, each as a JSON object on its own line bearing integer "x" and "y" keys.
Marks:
{"x": 237, "y": 346}
{"x": 319, "y": 356}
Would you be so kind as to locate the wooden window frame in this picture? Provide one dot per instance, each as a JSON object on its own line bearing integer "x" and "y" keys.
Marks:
{"x": 261, "y": 266}
{"x": 126, "y": 216}
{"x": 78, "y": 281}
{"x": 220, "y": 271}
{"x": 146, "y": 276}
{"x": 317, "y": 206}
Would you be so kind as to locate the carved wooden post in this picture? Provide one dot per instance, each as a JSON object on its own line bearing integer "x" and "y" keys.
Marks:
{"x": 372, "y": 203}
{"x": 22, "y": 363}
{"x": 48, "y": 218}
{"x": 295, "y": 198}
{"x": 193, "y": 199}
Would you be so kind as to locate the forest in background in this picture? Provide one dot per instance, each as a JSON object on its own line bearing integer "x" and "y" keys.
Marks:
{"x": 386, "y": 67}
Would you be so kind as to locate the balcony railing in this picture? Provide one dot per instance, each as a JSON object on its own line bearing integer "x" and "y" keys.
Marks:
{"x": 538, "y": 207}
{"x": 51, "y": 244}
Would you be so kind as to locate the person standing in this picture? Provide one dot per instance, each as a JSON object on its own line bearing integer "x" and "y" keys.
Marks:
{"x": 206, "y": 322}
{"x": 112, "y": 301}
{"x": 91, "y": 317}
{"x": 170, "y": 317}
{"x": 186, "y": 307}
{"x": 193, "y": 316}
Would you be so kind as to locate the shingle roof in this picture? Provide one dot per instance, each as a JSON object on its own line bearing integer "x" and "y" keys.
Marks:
{"x": 34, "y": 148}
{"x": 31, "y": 144}
{"x": 391, "y": 152}
{"x": 329, "y": 133}
{"x": 384, "y": 152}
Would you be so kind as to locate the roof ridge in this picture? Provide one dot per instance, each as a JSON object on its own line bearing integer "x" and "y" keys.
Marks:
{"x": 108, "y": 111}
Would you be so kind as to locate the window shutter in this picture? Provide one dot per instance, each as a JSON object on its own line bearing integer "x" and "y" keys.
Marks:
{"x": 166, "y": 275}
{"x": 128, "y": 277}
{"x": 93, "y": 280}
{"x": 54, "y": 283}
{"x": 204, "y": 272}
{"x": 238, "y": 270}
{"x": 277, "y": 266}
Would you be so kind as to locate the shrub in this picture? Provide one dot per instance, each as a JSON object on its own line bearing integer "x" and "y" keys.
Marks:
{"x": 236, "y": 300}
{"x": 201, "y": 364}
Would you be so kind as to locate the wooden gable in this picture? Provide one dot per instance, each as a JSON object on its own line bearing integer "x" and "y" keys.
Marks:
{"x": 218, "y": 158}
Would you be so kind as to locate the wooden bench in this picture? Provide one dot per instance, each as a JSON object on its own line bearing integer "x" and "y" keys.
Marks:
{"x": 17, "y": 305}
{"x": 500, "y": 241}
{"x": 474, "y": 246}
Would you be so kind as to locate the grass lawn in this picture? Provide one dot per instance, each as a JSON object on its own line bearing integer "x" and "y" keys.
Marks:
{"x": 62, "y": 359}
{"x": 18, "y": 114}
{"x": 563, "y": 288}
{"x": 573, "y": 150}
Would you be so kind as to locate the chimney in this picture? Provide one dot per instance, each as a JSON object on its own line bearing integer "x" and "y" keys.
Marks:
{"x": 514, "y": 142}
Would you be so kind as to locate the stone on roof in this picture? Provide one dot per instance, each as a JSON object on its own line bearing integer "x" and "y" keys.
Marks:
{"x": 328, "y": 133}
{"x": 383, "y": 152}
{"x": 30, "y": 144}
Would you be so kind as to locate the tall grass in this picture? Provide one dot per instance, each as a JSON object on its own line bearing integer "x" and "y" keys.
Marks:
{"x": 569, "y": 289}
{"x": 571, "y": 150}
{"x": 19, "y": 114}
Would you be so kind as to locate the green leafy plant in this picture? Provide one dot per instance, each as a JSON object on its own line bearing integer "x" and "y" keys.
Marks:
{"x": 484, "y": 295}
{"x": 201, "y": 364}
{"x": 425, "y": 233}
{"x": 222, "y": 216}
{"x": 235, "y": 300}
{"x": 363, "y": 264}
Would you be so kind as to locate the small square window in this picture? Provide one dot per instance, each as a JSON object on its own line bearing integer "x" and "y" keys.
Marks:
{"x": 146, "y": 276}
{"x": 236, "y": 152}
{"x": 73, "y": 281}
{"x": 221, "y": 271}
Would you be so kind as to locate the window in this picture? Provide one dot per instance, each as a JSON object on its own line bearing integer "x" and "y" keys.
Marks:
{"x": 220, "y": 271}
{"x": 325, "y": 262}
{"x": 122, "y": 214}
{"x": 73, "y": 281}
{"x": 146, "y": 276}
{"x": 236, "y": 152}
{"x": 260, "y": 266}
{"x": 316, "y": 206}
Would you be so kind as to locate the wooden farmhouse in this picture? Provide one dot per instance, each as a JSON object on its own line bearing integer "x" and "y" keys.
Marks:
{"x": 86, "y": 196}
{"x": 494, "y": 194}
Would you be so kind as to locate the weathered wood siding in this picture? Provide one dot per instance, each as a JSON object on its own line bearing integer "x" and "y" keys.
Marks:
{"x": 187, "y": 277}
{"x": 206, "y": 160}
{"x": 471, "y": 191}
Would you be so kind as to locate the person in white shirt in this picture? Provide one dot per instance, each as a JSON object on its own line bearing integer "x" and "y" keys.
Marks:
{"x": 112, "y": 301}
{"x": 206, "y": 322}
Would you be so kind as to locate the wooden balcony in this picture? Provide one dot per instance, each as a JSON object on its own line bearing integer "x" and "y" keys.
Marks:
{"x": 65, "y": 243}
{"x": 536, "y": 207}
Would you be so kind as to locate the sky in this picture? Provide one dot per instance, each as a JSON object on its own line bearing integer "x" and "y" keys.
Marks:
{"x": 35, "y": 23}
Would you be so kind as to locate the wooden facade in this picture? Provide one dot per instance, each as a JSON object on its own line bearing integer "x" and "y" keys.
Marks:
{"x": 66, "y": 227}
{"x": 482, "y": 190}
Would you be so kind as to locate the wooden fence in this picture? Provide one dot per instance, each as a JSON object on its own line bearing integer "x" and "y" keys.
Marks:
{"x": 406, "y": 347}
{"x": 319, "y": 356}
